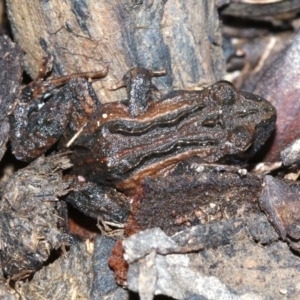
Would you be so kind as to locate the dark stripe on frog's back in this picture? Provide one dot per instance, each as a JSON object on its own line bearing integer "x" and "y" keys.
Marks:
{"x": 132, "y": 127}
{"x": 178, "y": 105}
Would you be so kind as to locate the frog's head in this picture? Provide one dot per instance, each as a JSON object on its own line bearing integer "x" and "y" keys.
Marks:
{"x": 248, "y": 120}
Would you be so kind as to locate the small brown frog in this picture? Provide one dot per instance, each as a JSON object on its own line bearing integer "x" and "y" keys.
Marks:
{"x": 117, "y": 145}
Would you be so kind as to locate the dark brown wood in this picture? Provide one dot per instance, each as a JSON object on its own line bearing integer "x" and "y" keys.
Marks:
{"x": 182, "y": 37}
{"x": 259, "y": 9}
{"x": 280, "y": 85}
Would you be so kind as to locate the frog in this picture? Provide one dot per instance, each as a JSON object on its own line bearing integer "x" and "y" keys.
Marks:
{"x": 116, "y": 145}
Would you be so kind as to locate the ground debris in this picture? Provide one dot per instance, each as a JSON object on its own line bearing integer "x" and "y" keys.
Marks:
{"x": 82, "y": 274}
{"x": 234, "y": 267}
{"x": 68, "y": 277}
{"x": 7, "y": 293}
{"x": 29, "y": 218}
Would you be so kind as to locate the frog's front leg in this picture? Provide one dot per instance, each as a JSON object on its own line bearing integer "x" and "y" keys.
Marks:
{"x": 100, "y": 202}
{"x": 138, "y": 83}
{"x": 42, "y": 113}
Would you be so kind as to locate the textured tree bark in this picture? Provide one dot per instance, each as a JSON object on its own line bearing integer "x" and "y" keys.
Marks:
{"x": 85, "y": 35}
{"x": 260, "y": 9}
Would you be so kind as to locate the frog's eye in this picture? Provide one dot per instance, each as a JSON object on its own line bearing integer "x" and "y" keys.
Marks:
{"x": 224, "y": 93}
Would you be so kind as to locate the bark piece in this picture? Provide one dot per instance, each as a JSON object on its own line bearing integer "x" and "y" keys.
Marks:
{"x": 177, "y": 202}
{"x": 68, "y": 277}
{"x": 104, "y": 284}
{"x": 217, "y": 234}
{"x": 291, "y": 154}
{"x": 10, "y": 76}
{"x": 279, "y": 85}
{"x": 4, "y": 23}
{"x": 28, "y": 216}
{"x": 259, "y": 54}
{"x": 86, "y": 35}
{"x": 280, "y": 201}
{"x": 240, "y": 269}
{"x": 82, "y": 274}
{"x": 260, "y": 10}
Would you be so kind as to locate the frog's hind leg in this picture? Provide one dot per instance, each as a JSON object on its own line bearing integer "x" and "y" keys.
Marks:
{"x": 40, "y": 87}
{"x": 37, "y": 125}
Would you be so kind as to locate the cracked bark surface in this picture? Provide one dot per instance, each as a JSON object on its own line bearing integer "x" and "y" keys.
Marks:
{"x": 184, "y": 38}
{"x": 11, "y": 70}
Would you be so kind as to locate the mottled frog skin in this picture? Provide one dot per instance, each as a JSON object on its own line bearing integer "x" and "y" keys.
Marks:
{"x": 218, "y": 124}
